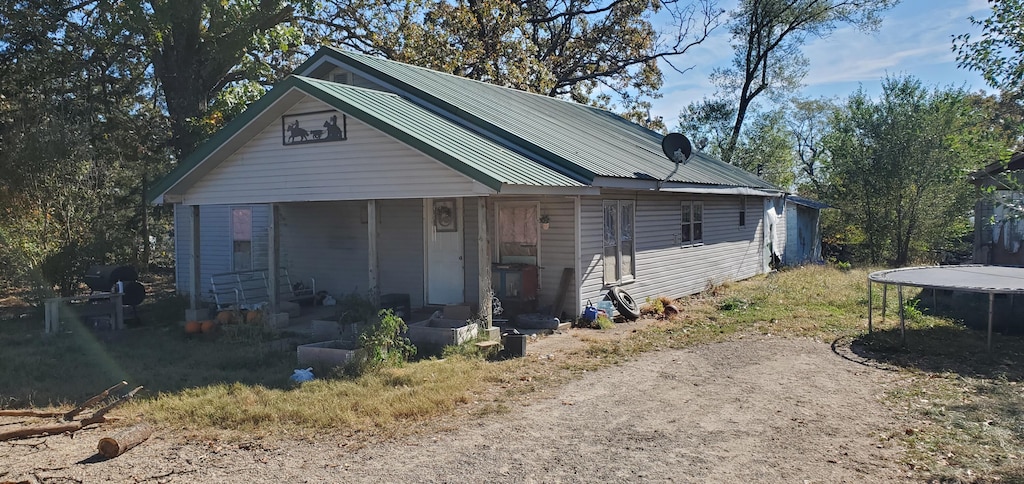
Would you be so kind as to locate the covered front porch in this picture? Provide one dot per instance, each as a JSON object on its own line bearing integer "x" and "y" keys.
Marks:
{"x": 435, "y": 251}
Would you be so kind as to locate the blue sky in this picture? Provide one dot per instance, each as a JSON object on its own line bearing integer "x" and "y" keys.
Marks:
{"x": 915, "y": 39}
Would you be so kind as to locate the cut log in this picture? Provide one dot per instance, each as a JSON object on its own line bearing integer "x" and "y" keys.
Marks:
{"x": 111, "y": 447}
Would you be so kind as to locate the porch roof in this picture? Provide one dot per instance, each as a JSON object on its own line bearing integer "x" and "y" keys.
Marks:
{"x": 587, "y": 141}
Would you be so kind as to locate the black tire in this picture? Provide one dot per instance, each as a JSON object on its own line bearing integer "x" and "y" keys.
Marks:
{"x": 624, "y": 303}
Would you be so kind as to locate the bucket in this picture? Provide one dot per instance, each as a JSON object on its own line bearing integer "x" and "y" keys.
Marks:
{"x": 516, "y": 344}
{"x": 589, "y": 312}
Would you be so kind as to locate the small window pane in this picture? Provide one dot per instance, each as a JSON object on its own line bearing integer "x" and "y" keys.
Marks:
{"x": 698, "y": 212}
{"x": 698, "y": 232}
{"x": 610, "y": 237}
{"x": 610, "y": 274}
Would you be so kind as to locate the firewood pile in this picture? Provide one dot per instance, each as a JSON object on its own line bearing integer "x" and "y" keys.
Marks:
{"x": 81, "y": 417}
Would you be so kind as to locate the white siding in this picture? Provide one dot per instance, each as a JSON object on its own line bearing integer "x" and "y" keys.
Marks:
{"x": 400, "y": 248}
{"x": 368, "y": 165}
{"x": 356, "y": 79}
{"x": 663, "y": 268}
{"x": 327, "y": 241}
{"x": 557, "y": 246}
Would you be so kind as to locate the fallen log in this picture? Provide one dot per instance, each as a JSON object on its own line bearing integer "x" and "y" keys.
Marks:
{"x": 96, "y": 418}
{"x": 94, "y": 400}
{"x": 29, "y": 413}
{"x": 43, "y": 430}
{"x": 111, "y": 447}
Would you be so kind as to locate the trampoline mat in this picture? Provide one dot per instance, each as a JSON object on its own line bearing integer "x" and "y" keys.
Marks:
{"x": 975, "y": 278}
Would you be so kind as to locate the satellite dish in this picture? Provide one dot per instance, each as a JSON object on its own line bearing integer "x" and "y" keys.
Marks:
{"x": 676, "y": 147}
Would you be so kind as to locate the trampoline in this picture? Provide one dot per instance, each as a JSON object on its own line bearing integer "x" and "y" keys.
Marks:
{"x": 984, "y": 279}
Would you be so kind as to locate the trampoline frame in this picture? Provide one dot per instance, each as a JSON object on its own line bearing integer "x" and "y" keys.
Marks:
{"x": 879, "y": 277}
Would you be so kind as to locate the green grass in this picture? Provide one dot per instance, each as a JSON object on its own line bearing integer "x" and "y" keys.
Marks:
{"x": 959, "y": 405}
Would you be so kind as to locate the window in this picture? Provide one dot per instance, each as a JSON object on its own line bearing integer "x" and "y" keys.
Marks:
{"x": 743, "y": 211}
{"x": 692, "y": 223}
{"x": 518, "y": 236}
{"x": 241, "y": 238}
{"x": 619, "y": 241}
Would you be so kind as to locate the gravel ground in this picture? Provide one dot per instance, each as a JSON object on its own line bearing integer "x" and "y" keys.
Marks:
{"x": 756, "y": 409}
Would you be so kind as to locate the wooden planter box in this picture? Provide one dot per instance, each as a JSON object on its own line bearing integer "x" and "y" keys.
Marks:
{"x": 327, "y": 354}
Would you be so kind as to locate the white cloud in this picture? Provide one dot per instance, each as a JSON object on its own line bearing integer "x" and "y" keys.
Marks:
{"x": 915, "y": 38}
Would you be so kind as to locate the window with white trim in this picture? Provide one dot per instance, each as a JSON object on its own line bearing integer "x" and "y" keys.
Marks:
{"x": 619, "y": 241}
{"x": 692, "y": 223}
{"x": 241, "y": 238}
{"x": 518, "y": 233}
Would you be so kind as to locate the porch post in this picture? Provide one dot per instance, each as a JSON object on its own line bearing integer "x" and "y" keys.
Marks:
{"x": 274, "y": 258}
{"x": 193, "y": 269}
{"x": 371, "y": 234}
{"x": 483, "y": 263}
{"x": 577, "y": 251}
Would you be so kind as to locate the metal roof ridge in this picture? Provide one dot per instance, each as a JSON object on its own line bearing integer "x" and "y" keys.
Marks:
{"x": 456, "y": 114}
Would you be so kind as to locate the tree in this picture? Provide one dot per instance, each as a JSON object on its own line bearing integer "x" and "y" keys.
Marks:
{"x": 80, "y": 135}
{"x": 198, "y": 48}
{"x": 897, "y": 166}
{"x": 999, "y": 54}
{"x": 586, "y": 50}
{"x": 767, "y": 36}
{"x": 808, "y": 125}
{"x": 708, "y": 123}
{"x": 767, "y": 150}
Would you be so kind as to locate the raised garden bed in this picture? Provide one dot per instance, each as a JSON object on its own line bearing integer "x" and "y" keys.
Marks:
{"x": 432, "y": 335}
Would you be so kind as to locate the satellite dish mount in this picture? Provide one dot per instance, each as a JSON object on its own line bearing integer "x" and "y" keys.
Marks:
{"x": 676, "y": 147}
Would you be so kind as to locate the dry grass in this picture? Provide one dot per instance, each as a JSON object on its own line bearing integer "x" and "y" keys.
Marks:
{"x": 960, "y": 405}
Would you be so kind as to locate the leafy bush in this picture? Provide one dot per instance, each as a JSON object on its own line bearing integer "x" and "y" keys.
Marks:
{"x": 384, "y": 342}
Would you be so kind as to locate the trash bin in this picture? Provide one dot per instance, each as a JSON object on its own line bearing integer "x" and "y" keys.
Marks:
{"x": 515, "y": 343}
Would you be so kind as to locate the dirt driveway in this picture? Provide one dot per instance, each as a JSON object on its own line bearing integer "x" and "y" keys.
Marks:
{"x": 756, "y": 409}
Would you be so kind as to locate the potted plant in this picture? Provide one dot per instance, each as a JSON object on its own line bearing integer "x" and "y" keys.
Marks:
{"x": 545, "y": 222}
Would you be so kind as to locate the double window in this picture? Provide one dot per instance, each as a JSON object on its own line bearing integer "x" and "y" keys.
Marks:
{"x": 692, "y": 223}
{"x": 619, "y": 241}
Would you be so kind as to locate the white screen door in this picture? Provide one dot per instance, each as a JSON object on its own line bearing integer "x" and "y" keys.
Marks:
{"x": 445, "y": 269}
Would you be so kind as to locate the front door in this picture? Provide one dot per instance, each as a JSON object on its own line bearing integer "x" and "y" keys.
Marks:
{"x": 445, "y": 271}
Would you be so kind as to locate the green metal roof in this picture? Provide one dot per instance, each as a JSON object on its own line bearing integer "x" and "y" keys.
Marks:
{"x": 474, "y": 156}
{"x": 495, "y": 135}
{"x": 585, "y": 140}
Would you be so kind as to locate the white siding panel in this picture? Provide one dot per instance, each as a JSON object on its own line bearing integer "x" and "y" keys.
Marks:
{"x": 557, "y": 247}
{"x": 663, "y": 268}
{"x": 368, "y": 165}
{"x": 400, "y": 248}
{"x": 326, "y": 241}
{"x": 215, "y": 243}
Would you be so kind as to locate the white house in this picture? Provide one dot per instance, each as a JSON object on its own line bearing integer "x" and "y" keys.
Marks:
{"x": 373, "y": 175}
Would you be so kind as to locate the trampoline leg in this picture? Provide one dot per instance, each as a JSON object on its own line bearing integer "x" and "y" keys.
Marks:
{"x": 991, "y": 302}
{"x": 869, "y": 305}
{"x": 903, "y": 329}
{"x": 885, "y": 299}
{"x": 935, "y": 301}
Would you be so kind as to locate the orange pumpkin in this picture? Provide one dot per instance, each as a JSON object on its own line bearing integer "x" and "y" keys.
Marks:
{"x": 225, "y": 317}
{"x": 208, "y": 325}
{"x": 253, "y": 317}
{"x": 193, "y": 327}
